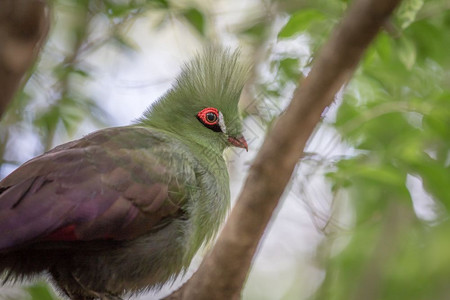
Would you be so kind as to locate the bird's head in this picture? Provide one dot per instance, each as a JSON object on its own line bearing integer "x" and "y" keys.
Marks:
{"x": 202, "y": 106}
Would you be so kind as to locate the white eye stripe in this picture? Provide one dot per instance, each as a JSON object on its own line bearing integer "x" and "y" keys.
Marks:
{"x": 222, "y": 123}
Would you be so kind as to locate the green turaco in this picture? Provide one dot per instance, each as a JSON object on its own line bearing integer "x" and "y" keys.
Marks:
{"x": 125, "y": 209}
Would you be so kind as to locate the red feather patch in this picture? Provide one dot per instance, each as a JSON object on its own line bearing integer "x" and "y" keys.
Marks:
{"x": 63, "y": 234}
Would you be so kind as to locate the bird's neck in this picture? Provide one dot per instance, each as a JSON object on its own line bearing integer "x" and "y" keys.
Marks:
{"x": 211, "y": 155}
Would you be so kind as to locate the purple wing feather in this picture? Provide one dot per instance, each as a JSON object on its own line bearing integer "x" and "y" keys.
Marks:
{"x": 104, "y": 186}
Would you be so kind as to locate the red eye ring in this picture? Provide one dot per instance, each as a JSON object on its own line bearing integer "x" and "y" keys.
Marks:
{"x": 209, "y": 116}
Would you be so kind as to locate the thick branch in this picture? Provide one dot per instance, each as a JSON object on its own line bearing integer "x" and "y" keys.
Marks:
{"x": 223, "y": 272}
{"x": 23, "y": 28}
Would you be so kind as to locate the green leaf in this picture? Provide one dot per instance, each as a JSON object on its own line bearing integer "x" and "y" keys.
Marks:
{"x": 257, "y": 30}
{"x": 384, "y": 175}
{"x": 196, "y": 19}
{"x": 290, "y": 68}
{"x": 436, "y": 179}
{"x": 408, "y": 11}
{"x": 40, "y": 291}
{"x": 430, "y": 37}
{"x": 115, "y": 10}
{"x": 300, "y": 21}
{"x": 71, "y": 114}
{"x": 48, "y": 119}
{"x": 406, "y": 52}
{"x": 160, "y": 3}
{"x": 383, "y": 47}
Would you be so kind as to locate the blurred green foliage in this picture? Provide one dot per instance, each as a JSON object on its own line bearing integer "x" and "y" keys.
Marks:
{"x": 40, "y": 291}
{"x": 394, "y": 114}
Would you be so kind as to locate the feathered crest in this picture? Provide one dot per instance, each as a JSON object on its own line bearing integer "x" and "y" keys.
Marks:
{"x": 214, "y": 78}
{"x": 216, "y": 73}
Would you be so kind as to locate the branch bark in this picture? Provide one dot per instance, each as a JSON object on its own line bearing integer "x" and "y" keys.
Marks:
{"x": 223, "y": 272}
{"x": 24, "y": 26}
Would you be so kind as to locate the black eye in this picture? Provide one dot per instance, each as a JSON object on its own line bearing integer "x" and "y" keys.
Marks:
{"x": 211, "y": 117}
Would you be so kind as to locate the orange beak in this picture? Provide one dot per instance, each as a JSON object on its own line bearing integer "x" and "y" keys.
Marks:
{"x": 239, "y": 142}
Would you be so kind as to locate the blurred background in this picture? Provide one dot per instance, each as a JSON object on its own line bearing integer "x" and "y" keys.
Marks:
{"x": 366, "y": 213}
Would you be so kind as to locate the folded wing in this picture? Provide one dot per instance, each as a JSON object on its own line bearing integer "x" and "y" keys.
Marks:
{"x": 115, "y": 184}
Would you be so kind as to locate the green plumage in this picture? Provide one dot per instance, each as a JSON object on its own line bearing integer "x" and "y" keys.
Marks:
{"x": 125, "y": 209}
{"x": 215, "y": 79}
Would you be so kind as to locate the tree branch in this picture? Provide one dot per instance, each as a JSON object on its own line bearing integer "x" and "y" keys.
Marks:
{"x": 24, "y": 26}
{"x": 223, "y": 271}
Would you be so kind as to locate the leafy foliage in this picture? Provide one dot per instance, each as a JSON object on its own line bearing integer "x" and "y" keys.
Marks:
{"x": 40, "y": 291}
{"x": 396, "y": 114}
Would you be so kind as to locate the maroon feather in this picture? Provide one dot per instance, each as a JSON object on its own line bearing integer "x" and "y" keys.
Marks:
{"x": 62, "y": 234}
{"x": 108, "y": 185}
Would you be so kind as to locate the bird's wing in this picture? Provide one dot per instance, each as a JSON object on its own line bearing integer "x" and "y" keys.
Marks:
{"x": 114, "y": 184}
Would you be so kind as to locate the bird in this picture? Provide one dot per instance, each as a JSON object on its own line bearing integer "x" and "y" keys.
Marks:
{"x": 123, "y": 210}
